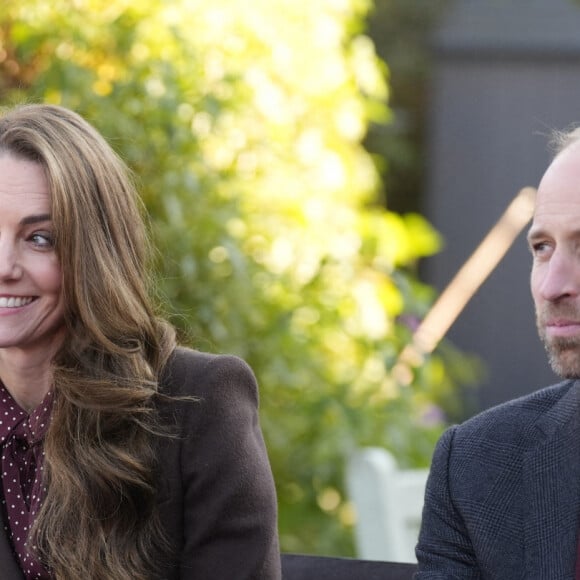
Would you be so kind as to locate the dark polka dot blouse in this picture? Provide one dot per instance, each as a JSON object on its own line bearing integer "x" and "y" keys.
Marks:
{"x": 21, "y": 437}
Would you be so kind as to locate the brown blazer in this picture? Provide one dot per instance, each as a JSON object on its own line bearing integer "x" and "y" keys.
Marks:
{"x": 217, "y": 499}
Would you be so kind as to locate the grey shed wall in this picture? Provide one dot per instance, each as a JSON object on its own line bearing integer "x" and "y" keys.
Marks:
{"x": 506, "y": 74}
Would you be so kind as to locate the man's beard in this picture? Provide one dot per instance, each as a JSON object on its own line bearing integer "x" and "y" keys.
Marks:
{"x": 563, "y": 352}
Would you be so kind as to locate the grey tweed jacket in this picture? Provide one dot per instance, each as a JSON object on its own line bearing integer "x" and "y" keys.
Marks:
{"x": 503, "y": 496}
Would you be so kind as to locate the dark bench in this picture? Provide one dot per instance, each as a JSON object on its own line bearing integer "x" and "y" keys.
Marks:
{"x": 305, "y": 567}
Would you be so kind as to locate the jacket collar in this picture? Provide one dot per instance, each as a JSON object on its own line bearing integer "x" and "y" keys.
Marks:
{"x": 551, "y": 484}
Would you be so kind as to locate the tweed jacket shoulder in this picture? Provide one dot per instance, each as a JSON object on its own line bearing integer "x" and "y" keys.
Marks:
{"x": 216, "y": 496}
{"x": 503, "y": 495}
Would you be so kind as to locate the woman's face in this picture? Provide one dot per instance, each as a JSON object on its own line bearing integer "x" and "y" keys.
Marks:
{"x": 31, "y": 304}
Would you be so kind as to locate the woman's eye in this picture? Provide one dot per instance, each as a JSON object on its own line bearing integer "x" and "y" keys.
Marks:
{"x": 42, "y": 239}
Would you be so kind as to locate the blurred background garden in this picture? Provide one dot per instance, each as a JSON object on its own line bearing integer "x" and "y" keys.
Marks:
{"x": 278, "y": 148}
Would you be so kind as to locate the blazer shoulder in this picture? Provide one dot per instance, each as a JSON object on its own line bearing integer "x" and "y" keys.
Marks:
{"x": 194, "y": 373}
{"x": 517, "y": 419}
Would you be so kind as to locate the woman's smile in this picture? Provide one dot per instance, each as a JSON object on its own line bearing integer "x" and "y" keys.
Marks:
{"x": 15, "y": 301}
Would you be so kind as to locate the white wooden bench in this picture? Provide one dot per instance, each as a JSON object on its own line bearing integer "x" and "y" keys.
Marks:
{"x": 388, "y": 502}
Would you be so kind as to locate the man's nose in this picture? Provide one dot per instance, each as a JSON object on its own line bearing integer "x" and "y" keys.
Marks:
{"x": 561, "y": 277}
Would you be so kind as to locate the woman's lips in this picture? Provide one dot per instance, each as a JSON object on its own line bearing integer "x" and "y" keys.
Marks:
{"x": 15, "y": 301}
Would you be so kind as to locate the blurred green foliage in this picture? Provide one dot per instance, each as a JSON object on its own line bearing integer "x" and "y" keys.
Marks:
{"x": 244, "y": 124}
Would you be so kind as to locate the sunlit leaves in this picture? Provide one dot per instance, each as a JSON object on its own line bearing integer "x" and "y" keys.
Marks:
{"x": 243, "y": 122}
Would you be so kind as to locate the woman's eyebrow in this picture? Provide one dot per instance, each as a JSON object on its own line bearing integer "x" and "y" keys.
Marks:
{"x": 34, "y": 219}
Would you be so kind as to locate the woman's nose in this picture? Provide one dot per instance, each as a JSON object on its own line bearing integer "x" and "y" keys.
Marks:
{"x": 9, "y": 261}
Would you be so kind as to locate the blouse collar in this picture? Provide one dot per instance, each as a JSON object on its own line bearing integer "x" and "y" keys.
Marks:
{"x": 12, "y": 415}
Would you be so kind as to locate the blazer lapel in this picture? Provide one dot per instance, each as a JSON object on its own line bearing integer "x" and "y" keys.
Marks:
{"x": 551, "y": 483}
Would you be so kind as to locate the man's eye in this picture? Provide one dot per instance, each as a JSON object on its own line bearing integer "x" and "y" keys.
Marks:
{"x": 539, "y": 248}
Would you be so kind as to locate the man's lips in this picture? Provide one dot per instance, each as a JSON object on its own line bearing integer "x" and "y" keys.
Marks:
{"x": 562, "y": 327}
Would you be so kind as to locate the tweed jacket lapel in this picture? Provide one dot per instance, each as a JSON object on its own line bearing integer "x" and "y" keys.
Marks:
{"x": 551, "y": 484}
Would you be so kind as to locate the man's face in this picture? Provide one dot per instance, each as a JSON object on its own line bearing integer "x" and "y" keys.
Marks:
{"x": 554, "y": 241}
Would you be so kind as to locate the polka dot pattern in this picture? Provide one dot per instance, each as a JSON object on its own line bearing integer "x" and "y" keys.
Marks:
{"x": 21, "y": 438}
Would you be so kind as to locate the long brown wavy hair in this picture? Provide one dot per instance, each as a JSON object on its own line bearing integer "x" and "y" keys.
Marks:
{"x": 98, "y": 519}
